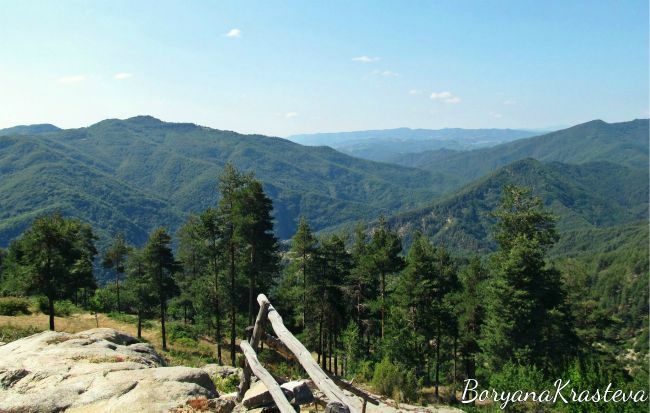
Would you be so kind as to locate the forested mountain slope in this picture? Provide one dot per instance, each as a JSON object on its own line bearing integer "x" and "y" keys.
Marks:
{"x": 624, "y": 143}
{"x": 134, "y": 174}
{"x": 586, "y": 196}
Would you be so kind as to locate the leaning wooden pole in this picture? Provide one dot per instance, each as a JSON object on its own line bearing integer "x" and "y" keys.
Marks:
{"x": 274, "y": 344}
{"x": 254, "y": 341}
{"x": 318, "y": 376}
{"x": 273, "y": 387}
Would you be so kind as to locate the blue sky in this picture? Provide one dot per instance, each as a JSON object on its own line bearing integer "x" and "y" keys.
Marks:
{"x": 285, "y": 67}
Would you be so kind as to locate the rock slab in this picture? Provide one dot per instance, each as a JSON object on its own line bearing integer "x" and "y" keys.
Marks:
{"x": 98, "y": 370}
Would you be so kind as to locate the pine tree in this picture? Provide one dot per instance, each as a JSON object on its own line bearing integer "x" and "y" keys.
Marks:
{"x": 115, "y": 258}
{"x": 412, "y": 314}
{"x": 301, "y": 256}
{"x": 384, "y": 254}
{"x": 423, "y": 298}
{"x": 332, "y": 266}
{"x": 471, "y": 313}
{"x": 527, "y": 320}
{"x": 211, "y": 232}
{"x": 139, "y": 286}
{"x": 54, "y": 258}
{"x": 359, "y": 286}
{"x": 231, "y": 190}
{"x": 257, "y": 232}
{"x": 161, "y": 266}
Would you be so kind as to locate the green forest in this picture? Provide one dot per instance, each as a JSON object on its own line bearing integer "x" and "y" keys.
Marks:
{"x": 380, "y": 303}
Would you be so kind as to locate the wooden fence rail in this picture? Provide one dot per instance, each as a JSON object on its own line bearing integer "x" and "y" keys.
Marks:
{"x": 338, "y": 400}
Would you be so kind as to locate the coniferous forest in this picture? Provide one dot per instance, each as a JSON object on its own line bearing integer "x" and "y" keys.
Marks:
{"x": 396, "y": 309}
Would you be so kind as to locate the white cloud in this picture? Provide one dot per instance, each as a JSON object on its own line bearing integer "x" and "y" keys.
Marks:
{"x": 441, "y": 95}
{"x": 72, "y": 79}
{"x": 447, "y": 97}
{"x": 510, "y": 102}
{"x": 385, "y": 73}
{"x": 290, "y": 115}
{"x": 122, "y": 76}
{"x": 495, "y": 115}
{"x": 233, "y": 33}
{"x": 365, "y": 59}
{"x": 415, "y": 92}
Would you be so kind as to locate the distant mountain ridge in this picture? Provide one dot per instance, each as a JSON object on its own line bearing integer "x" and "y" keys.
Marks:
{"x": 383, "y": 145}
{"x": 29, "y": 129}
{"x": 131, "y": 175}
{"x": 625, "y": 143}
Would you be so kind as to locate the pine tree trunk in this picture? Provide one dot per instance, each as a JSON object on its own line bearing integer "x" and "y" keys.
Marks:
{"x": 139, "y": 324}
{"x": 50, "y": 301}
{"x": 217, "y": 311}
{"x": 336, "y": 356}
{"x": 329, "y": 353}
{"x": 304, "y": 291}
{"x": 251, "y": 286}
{"x": 233, "y": 349}
{"x": 455, "y": 368}
{"x": 117, "y": 282}
{"x": 437, "y": 378}
{"x": 320, "y": 341}
{"x": 383, "y": 293}
{"x": 162, "y": 325}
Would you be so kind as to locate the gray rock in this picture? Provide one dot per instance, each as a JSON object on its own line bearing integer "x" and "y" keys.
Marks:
{"x": 99, "y": 370}
{"x": 300, "y": 392}
{"x": 215, "y": 370}
{"x": 296, "y": 392}
{"x": 222, "y": 405}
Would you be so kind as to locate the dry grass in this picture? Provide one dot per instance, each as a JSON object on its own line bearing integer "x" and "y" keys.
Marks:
{"x": 178, "y": 354}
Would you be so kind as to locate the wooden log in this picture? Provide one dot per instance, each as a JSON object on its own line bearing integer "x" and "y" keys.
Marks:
{"x": 318, "y": 376}
{"x": 274, "y": 388}
{"x": 278, "y": 346}
{"x": 254, "y": 341}
{"x": 275, "y": 344}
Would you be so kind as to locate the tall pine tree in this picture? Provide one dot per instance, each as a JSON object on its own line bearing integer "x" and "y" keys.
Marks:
{"x": 384, "y": 254}
{"x": 161, "y": 266}
{"x": 527, "y": 319}
{"x": 115, "y": 258}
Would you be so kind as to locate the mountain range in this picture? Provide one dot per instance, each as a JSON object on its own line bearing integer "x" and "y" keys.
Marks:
{"x": 389, "y": 145}
{"x": 132, "y": 175}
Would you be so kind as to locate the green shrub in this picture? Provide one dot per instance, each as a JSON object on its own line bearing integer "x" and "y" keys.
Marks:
{"x": 62, "y": 308}
{"x": 226, "y": 384}
{"x": 178, "y": 331}
{"x": 395, "y": 381}
{"x": 104, "y": 299}
{"x": 11, "y": 332}
{"x": 363, "y": 371}
{"x": 185, "y": 341}
{"x": 14, "y": 306}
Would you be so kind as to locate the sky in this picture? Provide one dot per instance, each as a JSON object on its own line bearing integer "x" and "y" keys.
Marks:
{"x": 287, "y": 67}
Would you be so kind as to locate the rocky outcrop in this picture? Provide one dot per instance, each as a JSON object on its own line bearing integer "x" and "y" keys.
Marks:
{"x": 99, "y": 370}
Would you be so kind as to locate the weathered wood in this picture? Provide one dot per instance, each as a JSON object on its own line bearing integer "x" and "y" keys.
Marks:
{"x": 278, "y": 346}
{"x": 254, "y": 341}
{"x": 275, "y": 344}
{"x": 318, "y": 376}
{"x": 274, "y": 388}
